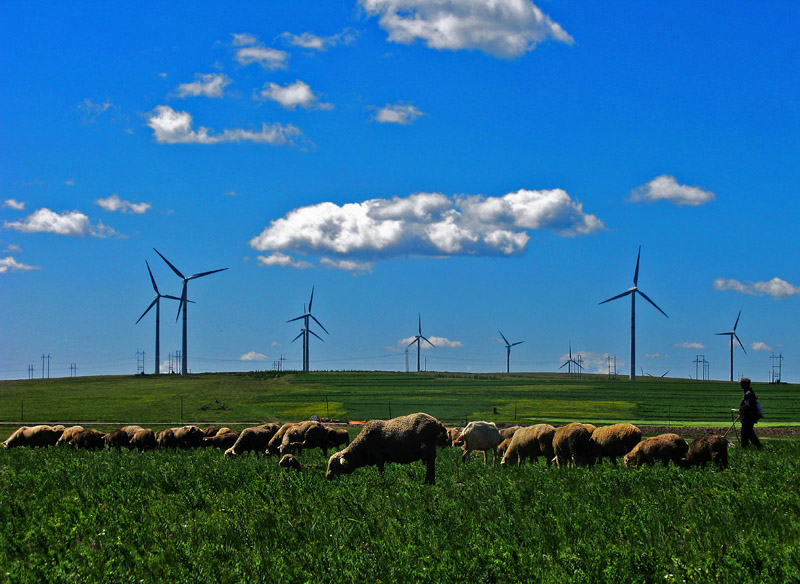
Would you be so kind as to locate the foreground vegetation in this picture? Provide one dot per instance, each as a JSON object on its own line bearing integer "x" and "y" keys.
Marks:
{"x": 178, "y": 516}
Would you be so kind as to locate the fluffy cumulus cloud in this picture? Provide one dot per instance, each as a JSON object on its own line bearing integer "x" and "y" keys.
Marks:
{"x": 293, "y": 95}
{"x": 14, "y": 204}
{"x": 690, "y": 345}
{"x": 9, "y": 264}
{"x": 427, "y": 224}
{"x": 72, "y": 223}
{"x": 438, "y": 342}
{"x": 253, "y": 356}
{"x": 777, "y": 288}
{"x": 403, "y": 114}
{"x": 208, "y": 85}
{"x": 759, "y": 346}
{"x": 250, "y": 51}
{"x": 309, "y": 40}
{"x": 283, "y": 260}
{"x": 666, "y": 188}
{"x": 174, "y": 127}
{"x": 503, "y": 28}
{"x": 114, "y": 203}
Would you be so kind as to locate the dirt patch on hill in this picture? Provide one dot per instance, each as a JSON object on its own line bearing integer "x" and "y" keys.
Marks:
{"x": 693, "y": 431}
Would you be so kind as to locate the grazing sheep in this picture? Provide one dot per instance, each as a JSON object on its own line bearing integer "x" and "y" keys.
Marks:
{"x": 183, "y": 437}
{"x": 530, "y": 442}
{"x": 224, "y": 430}
{"x": 34, "y": 436}
{"x": 664, "y": 447}
{"x": 590, "y": 427}
{"x": 225, "y": 440}
{"x": 572, "y": 445}
{"x": 274, "y": 443}
{"x": 253, "y": 439}
{"x": 708, "y": 449}
{"x": 402, "y": 440}
{"x": 481, "y": 436}
{"x": 501, "y": 449}
{"x": 305, "y": 435}
{"x": 508, "y": 432}
{"x": 144, "y": 439}
{"x": 68, "y": 434}
{"x": 616, "y": 440}
{"x": 89, "y": 440}
{"x": 453, "y": 435}
{"x": 337, "y": 437}
{"x": 118, "y": 439}
{"x": 210, "y": 431}
{"x": 131, "y": 430}
{"x": 289, "y": 461}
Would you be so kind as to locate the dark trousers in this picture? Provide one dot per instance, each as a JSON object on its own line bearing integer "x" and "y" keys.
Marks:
{"x": 749, "y": 435}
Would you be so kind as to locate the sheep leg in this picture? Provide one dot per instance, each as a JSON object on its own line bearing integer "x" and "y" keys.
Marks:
{"x": 465, "y": 456}
{"x": 430, "y": 471}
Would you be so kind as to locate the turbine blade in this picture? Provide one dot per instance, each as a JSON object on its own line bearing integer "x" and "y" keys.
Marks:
{"x": 646, "y": 297}
{"x": 183, "y": 301}
{"x": 148, "y": 309}
{"x": 318, "y": 322}
{"x": 718, "y": 334}
{"x": 740, "y": 343}
{"x": 174, "y": 269}
{"x": 427, "y": 341}
{"x": 737, "y": 321}
{"x": 636, "y": 273}
{"x": 419, "y": 320}
{"x": 412, "y": 342}
{"x": 617, "y": 296}
{"x": 665, "y": 373}
{"x": 312, "y": 299}
{"x": 173, "y": 297}
{"x": 517, "y": 343}
{"x": 298, "y": 336}
{"x": 504, "y": 337}
{"x": 316, "y": 335}
{"x": 152, "y": 279}
{"x": 201, "y": 274}
{"x": 298, "y": 318}
{"x": 564, "y": 364}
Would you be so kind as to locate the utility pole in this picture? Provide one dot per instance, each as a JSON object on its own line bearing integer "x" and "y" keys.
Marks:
{"x": 30, "y": 371}
{"x": 406, "y": 359}
{"x": 73, "y": 369}
{"x": 48, "y": 365}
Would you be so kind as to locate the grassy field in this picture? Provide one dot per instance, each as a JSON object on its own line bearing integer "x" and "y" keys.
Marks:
{"x": 193, "y": 516}
{"x": 232, "y": 398}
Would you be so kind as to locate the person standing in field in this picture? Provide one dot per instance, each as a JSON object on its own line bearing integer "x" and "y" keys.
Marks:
{"x": 749, "y": 414}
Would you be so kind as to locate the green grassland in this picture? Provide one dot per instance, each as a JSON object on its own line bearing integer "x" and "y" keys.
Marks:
{"x": 233, "y": 398}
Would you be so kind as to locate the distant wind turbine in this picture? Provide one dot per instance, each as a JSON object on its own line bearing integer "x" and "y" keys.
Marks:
{"x": 418, "y": 338}
{"x": 508, "y": 351}
{"x": 305, "y": 331}
{"x": 570, "y": 362}
{"x": 183, "y": 306}
{"x": 733, "y": 335}
{"x": 157, "y": 303}
{"x": 633, "y": 291}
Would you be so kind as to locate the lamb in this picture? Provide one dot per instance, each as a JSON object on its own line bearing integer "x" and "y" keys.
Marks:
{"x": 404, "y": 439}
{"x": 664, "y": 447}
{"x": 479, "y": 436}
{"x": 144, "y": 439}
{"x": 708, "y": 449}
{"x": 68, "y": 434}
{"x": 616, "y": 440}
{"x": 89, "y": 440}
{"x": 253, "y": 439}
{"x": 338, "y": 437}
{"x": 453, "y": 435}
{"x": 42, "y": 435}
{"x": 572, "y": 444}
{"x": 224, "y": 440}
{"x": 289, "y": 461}
{"x": 305, "y": 435}
{"x": 530, "y": 442}
{"x": 183, "y": 437}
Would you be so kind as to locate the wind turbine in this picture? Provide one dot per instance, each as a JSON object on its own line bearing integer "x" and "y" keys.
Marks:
{"x": 508, "y": 351}
{"x": 733, "y": 335}
{"x": 157, "y": 303}
{"x": 183, "y": 305}
{"x": 305, "y": 331}
{"x": 418, "y": 338}
{"x": 633, "y": 291}
{"x": 571, "y": 361}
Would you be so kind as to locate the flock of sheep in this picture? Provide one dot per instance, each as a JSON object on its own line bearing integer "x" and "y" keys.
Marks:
{"x": 402, "y": 440}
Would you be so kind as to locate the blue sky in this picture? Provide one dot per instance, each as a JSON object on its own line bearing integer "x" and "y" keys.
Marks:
{"x": 488, "y": 165}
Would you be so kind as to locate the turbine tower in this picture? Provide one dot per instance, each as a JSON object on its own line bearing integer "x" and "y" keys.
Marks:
{"x": 633, "y": 291}
{"x": 305, "y": 331}
{"x": 183, "y": 306}
{"x": 157, "y": 303}
{"x": 508, "y": 351}
{"x": 418, "y": 338}
{"x": 570, "y": 362}
{"x": 733, "y": 335}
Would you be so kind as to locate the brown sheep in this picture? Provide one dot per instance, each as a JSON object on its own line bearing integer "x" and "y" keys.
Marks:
{"x": 304, "y": 435}
{"x": 664, "y": 447}
{"x": 572, "y": 445}
{"x": 289, "y": 461}
{"x": 590, "y": 427}
{"x": 89, "y": 440}
{"x": 224, "y": 430}
{"x": 68, "y": 434}
{"x": 502, "y": 448}
{"x": 708, "y": 449}
{"x": 210, "y": 431}
{"x": 33, "y": 436}
{"x": 481, "y": 436}
{"x": 144, "y": 439}
{"x": 616, "y": 440}
{"x": 131, "y": 430}
{"x": 183, "y": 437}
{"x": 225, "y": 440}
{"x": 118, "y": 439}
{"x": 402, "y": 440}
{"x": 338, "y": 437}
{"x": 530, "y": 442}
{"x": 274, "y": 443}
{"x": 453, "y": 435}
{"x": 508, "y": 432}
{"x": 253, "y": 439}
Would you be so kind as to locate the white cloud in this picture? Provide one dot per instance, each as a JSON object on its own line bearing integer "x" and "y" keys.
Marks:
{"x": 174, "y": 127}
{"x": 72, "y": 223}
{"x": 244, "y": 40}
{"x": 253, "y": 356}
{"x": 9, "y": 264}
{"x": 251, "y": 51}
{"x": 91, "y": 110}
{"x": 690, "y": 345}
{"x": 14, "y": 204}
{"x": 403, "y": 114}
{"x": 308, "y": 40}
{"x": 13, "y": 248}
{"x": 282, "y": 260}
{"x": 347, "y": 265}
{"x": 293, "y": 95}
{"x": 70, "y": 182}
{"x": 439, "y": 343}
{"x": 208, "y": 85}
{"x": 114, "y": 203}
{"x": 759, "y": 346}
{"x": 777, "y": 288}
{"x": 666, "y": 188}
{"x": 428, "y": 224}
{"x": 502, "y": 28}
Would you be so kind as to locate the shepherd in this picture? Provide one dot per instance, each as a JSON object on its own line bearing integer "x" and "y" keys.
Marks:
{"x": 749, "y": 414}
